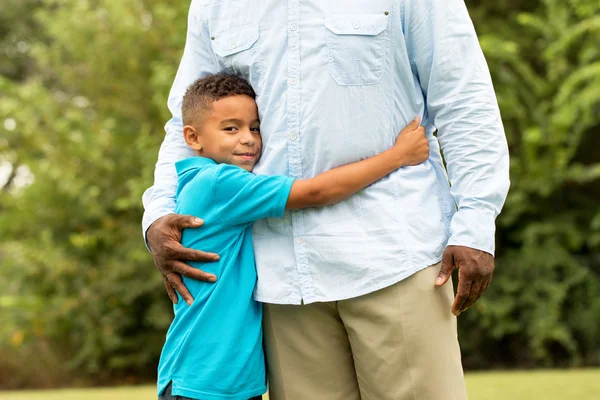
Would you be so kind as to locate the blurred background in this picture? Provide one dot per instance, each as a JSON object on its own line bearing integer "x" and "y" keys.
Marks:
{"x": 83, "y": 88}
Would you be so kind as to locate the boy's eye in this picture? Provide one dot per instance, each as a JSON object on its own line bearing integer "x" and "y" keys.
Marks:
{"x": 230, "y": 129}
{"x": 255, "y": 129}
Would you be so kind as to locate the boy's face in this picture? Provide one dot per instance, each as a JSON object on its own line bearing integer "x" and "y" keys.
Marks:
{"x": 228, "y": 133}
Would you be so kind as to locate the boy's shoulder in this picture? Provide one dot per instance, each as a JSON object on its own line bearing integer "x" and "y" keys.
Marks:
{"x": 195, "y": 171}
{"x": 208, "y": 176}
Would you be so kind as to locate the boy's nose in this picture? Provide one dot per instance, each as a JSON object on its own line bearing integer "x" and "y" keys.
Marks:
{"x": 248, "y": 139}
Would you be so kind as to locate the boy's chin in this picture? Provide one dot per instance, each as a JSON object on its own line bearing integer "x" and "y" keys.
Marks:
{"x": 247, "y": 167}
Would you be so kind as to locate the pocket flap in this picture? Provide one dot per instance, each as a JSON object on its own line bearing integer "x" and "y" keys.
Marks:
{"x": 235, "y": 40}
{"x": 356, "y": 24}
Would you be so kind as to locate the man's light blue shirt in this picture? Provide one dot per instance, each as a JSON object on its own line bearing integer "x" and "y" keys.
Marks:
{"x": 213, "y": 349}
{"x": 336, "y": 82}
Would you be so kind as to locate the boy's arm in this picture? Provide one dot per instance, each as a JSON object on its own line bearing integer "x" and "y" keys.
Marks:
{"x": 411, "y": 147}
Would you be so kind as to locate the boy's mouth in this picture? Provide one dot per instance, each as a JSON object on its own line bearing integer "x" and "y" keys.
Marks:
{"x": 247, "y": 156}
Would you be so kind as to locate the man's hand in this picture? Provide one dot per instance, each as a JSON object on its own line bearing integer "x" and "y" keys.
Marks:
{"x": 475, "y": 269}
{"x": 164, "y": 240}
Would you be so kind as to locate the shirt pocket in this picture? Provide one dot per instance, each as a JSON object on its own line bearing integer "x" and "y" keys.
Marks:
{"x": 237, "y": 50}
{"x": 356, "y": 44}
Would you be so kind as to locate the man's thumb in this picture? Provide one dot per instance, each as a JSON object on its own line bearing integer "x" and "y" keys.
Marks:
{"x": 446, "y": 269}
{"x": 189, "y": 221}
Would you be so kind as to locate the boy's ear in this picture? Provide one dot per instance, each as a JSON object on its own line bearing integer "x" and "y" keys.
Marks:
{"x": 192, "y": 137}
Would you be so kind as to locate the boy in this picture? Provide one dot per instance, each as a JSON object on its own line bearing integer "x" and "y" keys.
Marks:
{"x": 213, "y": 348}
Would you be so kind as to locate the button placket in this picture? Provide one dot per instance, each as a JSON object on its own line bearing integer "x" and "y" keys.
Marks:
{"x": 303, "y": 287}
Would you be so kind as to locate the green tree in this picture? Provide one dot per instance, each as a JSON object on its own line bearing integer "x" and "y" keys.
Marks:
{"x": 543, "y": 306}
{"x": 79, "y": 289}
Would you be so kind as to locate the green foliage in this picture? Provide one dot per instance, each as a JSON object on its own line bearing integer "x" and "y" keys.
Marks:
{"x": 544, "y": 305}
{"x": 83, "y": 88}
{"x": 87, "y": 124}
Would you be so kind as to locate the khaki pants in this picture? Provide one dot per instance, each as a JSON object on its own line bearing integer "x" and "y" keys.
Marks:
{"x": 398, "y": 343}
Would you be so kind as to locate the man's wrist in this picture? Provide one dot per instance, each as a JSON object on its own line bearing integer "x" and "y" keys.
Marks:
{"x": 152, "y": 223}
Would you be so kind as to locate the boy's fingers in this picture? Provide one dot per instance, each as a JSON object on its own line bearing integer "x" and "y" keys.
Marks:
{"x": 414, "y": 124}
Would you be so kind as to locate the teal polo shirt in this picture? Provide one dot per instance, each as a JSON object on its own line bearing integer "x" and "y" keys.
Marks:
{"x": 213, "y": 348}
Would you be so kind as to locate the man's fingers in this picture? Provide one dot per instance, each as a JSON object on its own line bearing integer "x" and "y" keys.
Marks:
{"x": 484, "y": 287}
{"x": 188, "y": 221}
{"x": 175, "y": 251}
{"x": 474, "y": 294}
{"x": 191, "y": 272}
{"x": 446, "y": 269}
{"x": 170, "y": 291}
{"x": 187, "y": 254}
{"x": 177, "y": 283}
{"x": 462, "y": 296}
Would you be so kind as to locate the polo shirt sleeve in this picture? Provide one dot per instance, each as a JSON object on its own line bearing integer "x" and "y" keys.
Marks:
{"x": 242, "y": 197}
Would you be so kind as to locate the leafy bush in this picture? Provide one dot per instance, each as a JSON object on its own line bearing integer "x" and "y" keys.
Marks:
{"x": 543, "y": 307}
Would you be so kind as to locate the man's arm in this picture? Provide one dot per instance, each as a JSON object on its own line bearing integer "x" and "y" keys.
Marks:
{"x": 446, "y": 57}
{"x": 411, "y": 147}
{"x": 162, "y": 229}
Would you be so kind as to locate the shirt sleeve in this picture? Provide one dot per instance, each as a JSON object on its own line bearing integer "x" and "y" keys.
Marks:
{"x": 198, "y": 60}
{"x": 448, "y": 61}
{"x": 242, "y": 197}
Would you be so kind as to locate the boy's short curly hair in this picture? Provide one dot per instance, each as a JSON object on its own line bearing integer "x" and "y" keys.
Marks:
{"x": 200, "y": 95}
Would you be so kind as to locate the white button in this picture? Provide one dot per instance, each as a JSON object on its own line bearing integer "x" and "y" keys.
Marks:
{"x": 293, "y": 27}
{"x": 356, "y": 25}
{"x": 292, "y": 82}
{"x": 293, "y": 136}
{"x": 233, "y": 45}
{"x": 299, "y": 240}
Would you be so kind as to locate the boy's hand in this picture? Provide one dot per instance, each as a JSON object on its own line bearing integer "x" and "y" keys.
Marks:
{"x": 164, "y": 240}
{"x": 412, "y": 144}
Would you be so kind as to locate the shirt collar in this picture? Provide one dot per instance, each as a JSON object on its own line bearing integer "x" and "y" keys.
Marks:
{"x": 191, "y": 163}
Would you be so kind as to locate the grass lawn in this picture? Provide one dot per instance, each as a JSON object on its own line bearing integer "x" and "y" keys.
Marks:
{"x": 543, "y": 385}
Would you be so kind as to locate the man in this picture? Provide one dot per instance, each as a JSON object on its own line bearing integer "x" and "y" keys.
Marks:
{"x": 356, "y": 301}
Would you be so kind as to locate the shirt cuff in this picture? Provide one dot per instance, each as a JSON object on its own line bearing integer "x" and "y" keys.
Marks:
{"x": 473, "y": 228}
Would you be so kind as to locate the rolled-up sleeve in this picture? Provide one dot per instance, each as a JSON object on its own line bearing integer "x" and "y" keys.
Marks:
{"x": 447, "y": 59}
{"x": 197, "y": 61}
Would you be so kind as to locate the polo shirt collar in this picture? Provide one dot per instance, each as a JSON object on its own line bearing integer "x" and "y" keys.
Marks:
{"x": 191, "y": 163}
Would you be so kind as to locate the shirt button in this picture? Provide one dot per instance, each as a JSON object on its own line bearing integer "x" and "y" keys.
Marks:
{"x": 356, "y": 25}
{"x": 294, "y": 27}
{"x": 233, "y": 45}
{"x": 293, "y": 82}
{"x": 299, "y": 241}
{"x": 293, "y": 136}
